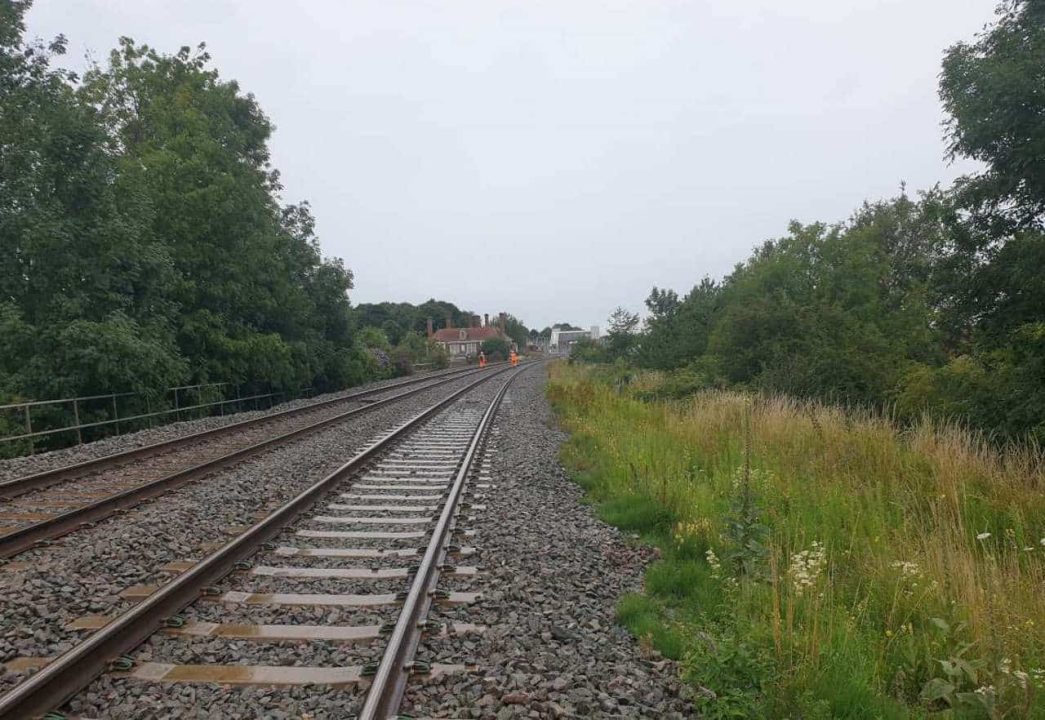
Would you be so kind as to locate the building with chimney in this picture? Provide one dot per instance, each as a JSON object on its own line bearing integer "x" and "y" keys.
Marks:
{"x": 465, "y": 343}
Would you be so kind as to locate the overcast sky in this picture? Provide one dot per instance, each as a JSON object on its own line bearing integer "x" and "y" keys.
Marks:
{"x": 556, "y": 158}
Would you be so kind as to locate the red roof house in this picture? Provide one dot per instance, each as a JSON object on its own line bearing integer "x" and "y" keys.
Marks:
{"x": 467, "y": 341}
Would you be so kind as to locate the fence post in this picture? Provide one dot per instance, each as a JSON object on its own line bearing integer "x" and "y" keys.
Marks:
{"x": 76, "y": 417}
{"x": 115, "y": 414}
{"x": 29, "y": 431}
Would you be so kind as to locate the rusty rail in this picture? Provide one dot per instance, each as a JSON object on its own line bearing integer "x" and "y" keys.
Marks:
{"x": 75, "y": 669}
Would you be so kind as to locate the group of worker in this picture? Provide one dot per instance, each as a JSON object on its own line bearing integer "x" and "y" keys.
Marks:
{"x": 513, "y": 358}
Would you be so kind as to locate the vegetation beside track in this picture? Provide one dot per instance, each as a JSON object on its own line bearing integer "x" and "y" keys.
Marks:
{"x": 818, "y": 563}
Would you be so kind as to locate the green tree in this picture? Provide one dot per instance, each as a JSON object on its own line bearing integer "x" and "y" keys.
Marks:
{"x": 373, "y": 337}
{"x": 992, "y": 92}
{"x": 677, "y": 330}
{"x": 415, "y": 349}
{"x": 836, "y": 312}
{"x": 518, "y": 332}
{"x": 83, "y": 283}
{"x": 397, "y": 319}
{"x": 833, "y": 312}
{"x": 989, "y": 285}
{"x": 620, "y": 336}
{"x": 495, "y": 349}
{"x": 258, "y": 303}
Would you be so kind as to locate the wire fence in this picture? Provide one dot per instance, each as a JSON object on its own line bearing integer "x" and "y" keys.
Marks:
{"x": 30, "y": 427}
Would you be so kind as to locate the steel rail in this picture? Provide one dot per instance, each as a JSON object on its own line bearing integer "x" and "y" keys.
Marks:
{"x": 28, "y": 536}
{"x": 19, "y": 486}
{"x": 389, "y": 681}
{"x": 76, "y": 668}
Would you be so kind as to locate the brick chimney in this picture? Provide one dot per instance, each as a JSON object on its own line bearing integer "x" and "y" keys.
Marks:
{"x": 449, "y": 320}
{"x": 502, "y": 322}
{"x": 486, "y": 319}
{"x": 431, "y": 332}
{"x": 476, "y": 321}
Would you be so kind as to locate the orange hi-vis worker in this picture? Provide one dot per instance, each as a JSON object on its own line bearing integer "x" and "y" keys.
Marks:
{"x": 514, "y": 358}
{"x": 482, "y": 359}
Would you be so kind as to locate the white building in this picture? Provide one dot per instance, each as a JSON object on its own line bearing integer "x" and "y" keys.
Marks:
{"x": 561, "y": 340}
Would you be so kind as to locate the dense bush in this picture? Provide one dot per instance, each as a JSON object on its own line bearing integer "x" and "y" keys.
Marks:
{"x": 495, "y": 349}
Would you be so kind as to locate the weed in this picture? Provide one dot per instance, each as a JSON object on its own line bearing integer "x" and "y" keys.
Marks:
{"x": 736, "y": 667}
{"x": 641, "y": 615}
{"x": 746, "y": 535}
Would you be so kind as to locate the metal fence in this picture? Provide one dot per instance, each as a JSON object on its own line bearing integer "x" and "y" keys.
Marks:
{"x": 26, "y": 427}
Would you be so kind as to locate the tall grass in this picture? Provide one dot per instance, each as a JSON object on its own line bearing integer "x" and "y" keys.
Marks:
{"x": 821, "y": 562}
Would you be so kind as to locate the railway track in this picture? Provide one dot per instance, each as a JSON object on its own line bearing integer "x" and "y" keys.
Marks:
{"x": 41, "y": 507}
{"x": 371, "y": 538}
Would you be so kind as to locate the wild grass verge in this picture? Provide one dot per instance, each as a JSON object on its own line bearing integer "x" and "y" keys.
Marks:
{"x": 819, "y": 563}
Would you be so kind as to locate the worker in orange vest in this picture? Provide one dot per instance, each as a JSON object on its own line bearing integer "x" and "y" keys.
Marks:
{"x": 482, "y": 359}
{"x": 514, "y": 358}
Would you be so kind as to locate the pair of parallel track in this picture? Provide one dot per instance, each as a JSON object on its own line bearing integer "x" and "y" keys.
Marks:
{"x": 41, "y": 507}
{"x": 405, "y": 488}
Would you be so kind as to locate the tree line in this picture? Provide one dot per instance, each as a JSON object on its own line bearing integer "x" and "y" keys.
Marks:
{"x": 144, "y": 242}
{"x": 932, "y": 303}
{"x": 396, "y": 320}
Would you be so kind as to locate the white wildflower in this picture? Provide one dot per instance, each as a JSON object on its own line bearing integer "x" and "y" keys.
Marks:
{"x": 985, "y": 690}
{"x": 908, "y": 569}
{"x": 1021, "y": 677}
{"x": 983, "y": 536}
{"x": 806, "y": 567}
{"x": 910, "y": 574}
{"x": 713, "y": 561}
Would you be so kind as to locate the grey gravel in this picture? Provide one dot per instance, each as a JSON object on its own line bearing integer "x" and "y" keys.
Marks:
{"x": 551, "y": 574}
{"x": 117, "y": 698}
{"x": 84, "y": 573}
